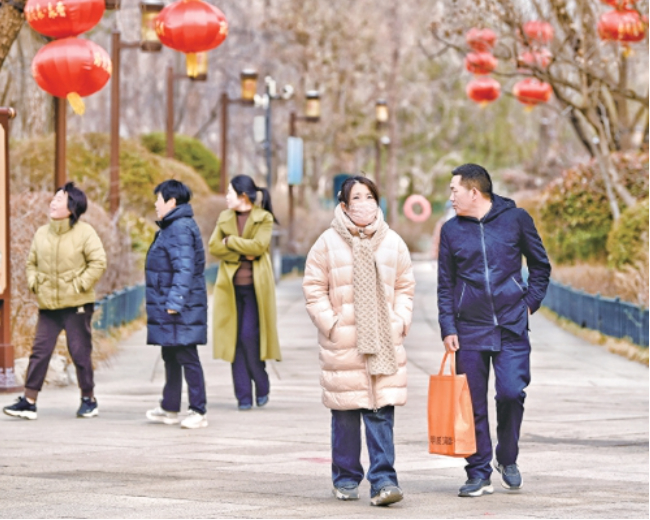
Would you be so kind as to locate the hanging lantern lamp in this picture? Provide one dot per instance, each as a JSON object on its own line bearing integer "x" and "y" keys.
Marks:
{"x": 624, "y": 26}
{"x": 480, "y": 62}
{"x": 248, "y": 80}
{"x": 481, "y": 40}
{"x": 620, "y": 4}
{"x": 191, "y": 26}
{"x": 63, "y": 18}
{"x": 149, "y": 9}
{"x": 538, "y": 32}
{"x": 535, "y": 59}
{"x": 72, "y": 68}
{"x": 312, "y": 106}
{"x": 483, "y": 90}
{"x": 531, "y": 92}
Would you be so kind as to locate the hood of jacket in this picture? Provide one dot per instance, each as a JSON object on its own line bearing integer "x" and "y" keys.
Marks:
{"x": 182, "y": 211}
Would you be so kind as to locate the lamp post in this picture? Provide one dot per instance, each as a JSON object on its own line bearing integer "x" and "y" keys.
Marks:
{"x": 149, "y": 42}
{"x": 312, "y": 115}
{"x": 248, "y": 86}
{"x": 7, "y": 376}
{"x": 201, "y": 74}
{"x": 381, "y": 118}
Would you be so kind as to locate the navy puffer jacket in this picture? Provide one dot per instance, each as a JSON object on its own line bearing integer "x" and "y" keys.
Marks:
{"x": 175, "y": 281}
{"x": 480, "y": 287}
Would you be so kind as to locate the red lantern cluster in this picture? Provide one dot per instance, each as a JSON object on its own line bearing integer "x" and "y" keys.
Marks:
{"x": 191, "y": 26}
{"x": 530, "y": 91}
{"x": 68, "y": 67}
{"x": 622, "y": 25}
{"x": 538, "y": 32}
{"x": 481, "y": 62}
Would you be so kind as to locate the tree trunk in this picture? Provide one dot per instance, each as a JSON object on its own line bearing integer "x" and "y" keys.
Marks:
{"x": 11, "y": 21}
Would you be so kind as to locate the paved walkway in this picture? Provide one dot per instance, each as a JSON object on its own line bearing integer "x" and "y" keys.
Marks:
{"x": 584, "y": 451}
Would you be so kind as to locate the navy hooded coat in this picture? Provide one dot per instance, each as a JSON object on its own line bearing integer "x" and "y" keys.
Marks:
{"x": 480, "y": 286}
{"x": 175, "y": 281}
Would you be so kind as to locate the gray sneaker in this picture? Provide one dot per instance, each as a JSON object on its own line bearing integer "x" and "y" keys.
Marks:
{"x": 159, "y": 415}
{"x": 510, "y": 476}
{"x": 386, "y": 496}
{"x": 476, "y": 487}
{"x": 346, "y": 493}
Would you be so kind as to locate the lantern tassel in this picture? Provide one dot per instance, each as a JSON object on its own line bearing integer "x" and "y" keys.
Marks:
{"x": 529, "y": 108}
{"x": 76, "y": 103}
{"x": 192, "y": 65}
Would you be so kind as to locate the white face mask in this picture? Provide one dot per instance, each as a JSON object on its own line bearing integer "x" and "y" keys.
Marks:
{"x": 362, "y": 213}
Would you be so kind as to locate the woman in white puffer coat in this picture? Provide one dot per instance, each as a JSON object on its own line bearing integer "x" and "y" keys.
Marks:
{"x": 359, "y": 289}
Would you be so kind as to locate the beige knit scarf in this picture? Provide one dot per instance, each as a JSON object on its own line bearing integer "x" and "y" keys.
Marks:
{"x": 374, "y": 338}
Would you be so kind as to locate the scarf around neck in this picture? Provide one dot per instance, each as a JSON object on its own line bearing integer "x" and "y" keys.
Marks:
{"x": 374, "y": 338}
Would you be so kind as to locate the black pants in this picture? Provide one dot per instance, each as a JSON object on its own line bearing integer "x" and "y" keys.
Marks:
{"x": 179, "y": 360}
{"x": 77, "y": 326}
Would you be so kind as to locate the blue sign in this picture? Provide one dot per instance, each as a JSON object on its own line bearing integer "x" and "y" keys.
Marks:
{"x": 294, "y": 160}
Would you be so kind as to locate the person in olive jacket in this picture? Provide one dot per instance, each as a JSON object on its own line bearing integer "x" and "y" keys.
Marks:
{"x": 177, "y": 303}
{"x": 483, "y": 309}
{"x": 245, "y": 328}
{"x": 65, "y": 261}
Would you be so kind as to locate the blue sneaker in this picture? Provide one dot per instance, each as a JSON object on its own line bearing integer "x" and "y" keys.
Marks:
{"x": 262, "y": 401}
{"x": 21, "y": 408}
{"x": 476, "y": 487}
{"x": 244, "y": 407}
{"x": 88, "y": 408}
{"x": 510, "y": 476}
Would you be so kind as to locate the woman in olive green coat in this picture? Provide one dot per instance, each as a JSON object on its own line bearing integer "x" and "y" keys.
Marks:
{"x": 245, "y": 289}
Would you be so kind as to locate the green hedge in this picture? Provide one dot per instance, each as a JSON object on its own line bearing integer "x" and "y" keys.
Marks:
{"x": 189, "y": 151}
{"x": 628, "y": 239}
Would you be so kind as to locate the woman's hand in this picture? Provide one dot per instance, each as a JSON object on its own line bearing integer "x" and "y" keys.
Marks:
{"x": 250, "y": 257}
{"x": 170, "y": 311}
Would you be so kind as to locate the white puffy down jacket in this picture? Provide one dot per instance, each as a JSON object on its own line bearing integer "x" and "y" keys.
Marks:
{"x": 328, "y": 289}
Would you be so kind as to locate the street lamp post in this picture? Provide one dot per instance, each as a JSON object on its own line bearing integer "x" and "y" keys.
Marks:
{"x": 381, "y": 118}
{"x": 60, "y": 132}
{"x": 149, "y": 42}
{"x": 312, "y": 115}
{"x": 7, "y": 376}
{"x": 248, "y": 86}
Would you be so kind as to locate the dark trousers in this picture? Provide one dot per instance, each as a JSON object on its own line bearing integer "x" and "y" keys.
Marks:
{"x": 247, "y": 366}
{"x": 346, "y": 448}
{"x": 77, "y": 326}
{"x": 179, "y": 360}
{"x": 512, "y": 375}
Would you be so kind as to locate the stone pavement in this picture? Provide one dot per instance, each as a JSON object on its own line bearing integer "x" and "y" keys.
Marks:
{"x": 584, "y": 449}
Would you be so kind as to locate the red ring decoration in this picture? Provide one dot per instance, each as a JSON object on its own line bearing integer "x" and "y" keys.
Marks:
{"x": 417, "y": 200}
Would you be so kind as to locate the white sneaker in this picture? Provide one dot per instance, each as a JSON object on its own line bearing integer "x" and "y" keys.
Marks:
{"x": 194, "y": 420}
{"x": 161, "y": 416}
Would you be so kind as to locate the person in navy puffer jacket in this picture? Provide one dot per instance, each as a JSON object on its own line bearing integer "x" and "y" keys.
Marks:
{"x": 483, "y": 309}
{"x": 177, "y": 304}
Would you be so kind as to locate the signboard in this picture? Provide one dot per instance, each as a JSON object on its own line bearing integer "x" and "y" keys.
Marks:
{"x": 294, "y": 161}
{"x": 259, "y": 129}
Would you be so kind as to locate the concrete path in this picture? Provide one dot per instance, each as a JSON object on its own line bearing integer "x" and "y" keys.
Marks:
{"x": 584, "y": 451}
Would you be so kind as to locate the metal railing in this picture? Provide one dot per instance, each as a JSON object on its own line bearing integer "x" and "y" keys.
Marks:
{"x": 611, "y": 316}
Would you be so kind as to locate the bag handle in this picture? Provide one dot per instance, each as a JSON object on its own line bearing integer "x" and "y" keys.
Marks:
{"x": 452, "y": 363}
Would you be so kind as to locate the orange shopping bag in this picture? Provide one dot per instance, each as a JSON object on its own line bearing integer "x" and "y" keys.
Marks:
{"x": 451, "y": 417}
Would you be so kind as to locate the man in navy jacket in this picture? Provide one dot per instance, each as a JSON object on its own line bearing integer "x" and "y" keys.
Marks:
{"x": 177, "y": 303}
{"x": 483, "y": 306}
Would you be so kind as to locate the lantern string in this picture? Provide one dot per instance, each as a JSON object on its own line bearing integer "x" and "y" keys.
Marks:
{"x": 76, "y": 103}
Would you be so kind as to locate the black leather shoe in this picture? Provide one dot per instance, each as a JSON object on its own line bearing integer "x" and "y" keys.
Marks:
{"x": 475, "y": 487}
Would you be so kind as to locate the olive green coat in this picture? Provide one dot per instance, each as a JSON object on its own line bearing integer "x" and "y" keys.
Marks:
{"x": 64, "y": 264}
{"x": 255, "y": 241}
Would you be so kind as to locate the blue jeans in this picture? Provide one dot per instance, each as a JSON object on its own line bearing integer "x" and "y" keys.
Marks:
{"x": 346, "y": 448}
{"x": 179, "y": 360}
{"x": 512, "y": 375}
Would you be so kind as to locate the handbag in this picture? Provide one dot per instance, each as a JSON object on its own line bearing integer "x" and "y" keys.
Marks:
{"x": 450, "y": 413}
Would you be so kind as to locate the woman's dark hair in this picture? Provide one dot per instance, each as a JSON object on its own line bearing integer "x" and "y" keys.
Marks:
{"x": 348, "y": 184}
{"x": 77, "y": 201}
{"x": 474, "y": 176}
{"x": 244, "y": 185}
{"x": 173, "y": 189}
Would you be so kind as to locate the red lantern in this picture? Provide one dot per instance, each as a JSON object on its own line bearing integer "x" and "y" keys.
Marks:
{"x": 623, "y": 26}
{"x": 191, "y": 26}
{"x": 531, "y": 91}
{"x": 536, "y": 59}
{"x": 63, "y": 18}
{"x": 480, "y": 62}
{"x": 481, "y": 40}
{"x": 71, "y": 68}
{"x": 538, "y": 32}
{"x": 483, "y": 90}
{"x": 620, "y": 4}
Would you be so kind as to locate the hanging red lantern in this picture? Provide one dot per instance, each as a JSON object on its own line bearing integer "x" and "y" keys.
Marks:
{"x": 531, "y": 91}
{"x": 191, "y": 26}
{"x": 620, "y": 4}
{"x": 483, "y": 90}
{"x": 63, "y": 18}
{"x": 480, "y": 62}
{"x": 624, "y": 26}
{"x": 481, "y": 40}
{"x": 538, "y": 32}
{"x": 71, "y": 68}
{"x": 535, "y": 59}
